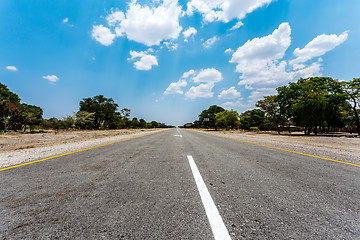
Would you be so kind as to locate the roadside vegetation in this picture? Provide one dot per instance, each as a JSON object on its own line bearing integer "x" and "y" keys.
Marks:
{"x": 97, "y": 112}
{"x": 316, "y": 104}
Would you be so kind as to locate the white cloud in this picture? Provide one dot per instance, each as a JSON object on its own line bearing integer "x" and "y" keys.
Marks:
{"x": 12, "y": 68}
{"x": 224, "y": 10}
{"x": 258, "y": 60}
{"x": 175, "y": 87}
{"x": 237, "y": 25}
{"x": 51, "y": 78}
{"x": 148, "y": 25}
{"x": 239, "y": 104}
{"x": 189, "y": 32}
{"x": 170, "y": 45}
{"x": 262, "y": 67}
{"x": 318, "y": 47}
{"x": 65, "y": 20}
{"x": 208, "y": 43}
{"x": 208, "y": 75}
{"x": 188, "y": 73}
{"x": 144, "y": 61}
{"x": 230, "y": 93}
{"x": 229, "y": 50}
{"x": 103, "y": 35}
{"x": 115, "y": 17}
{"x": 201, "y": 91}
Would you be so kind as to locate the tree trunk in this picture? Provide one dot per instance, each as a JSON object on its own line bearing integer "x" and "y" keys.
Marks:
{"x": 316, "y": 132}
{"x": 309, "y": 130}
{"x": 357, "y": 121}
{"x": 305, "y": 130}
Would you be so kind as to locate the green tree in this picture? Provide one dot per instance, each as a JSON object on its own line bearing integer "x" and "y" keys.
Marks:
{"x": 252, "y": 118}
{"x": 31, "y": 115}
{"x": 309, "y": 102}
{"x": 352, "y": 89}
{"x": 142, "y": 123}
{"x": 134, "y": 123}
{"x": 104, "y": 110}
{"x": 227, "y": 119}
{"x": 271, "y": 109}
{"x": 9, "y": 106}
{"x": 84, "y": 119}
{"x": 207, "y": 117}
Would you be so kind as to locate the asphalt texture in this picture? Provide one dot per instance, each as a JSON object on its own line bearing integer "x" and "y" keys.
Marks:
{"x": 144, "y": 189}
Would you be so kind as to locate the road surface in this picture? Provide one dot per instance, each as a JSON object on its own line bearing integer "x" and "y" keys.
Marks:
{"x": 181, "y": 184}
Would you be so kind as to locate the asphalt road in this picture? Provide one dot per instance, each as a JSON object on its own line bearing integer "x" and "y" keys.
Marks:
{"x": 145, "y": 188}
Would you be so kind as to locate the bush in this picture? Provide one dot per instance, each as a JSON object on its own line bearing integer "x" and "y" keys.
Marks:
{"x": 254, "y": 129}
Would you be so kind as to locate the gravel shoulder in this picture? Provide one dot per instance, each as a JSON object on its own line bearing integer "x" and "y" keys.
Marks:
{"x": 338, "y": 148}
{"x": 17, "y": 148}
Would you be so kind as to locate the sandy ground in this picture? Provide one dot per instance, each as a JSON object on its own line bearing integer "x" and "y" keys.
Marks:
{"x": 338, "y": 148}
{"x": 18, "y": 141}
{"x": 16, "y": 148}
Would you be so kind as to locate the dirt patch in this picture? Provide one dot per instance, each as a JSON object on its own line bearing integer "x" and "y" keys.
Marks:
{"x": 19, "y": 141}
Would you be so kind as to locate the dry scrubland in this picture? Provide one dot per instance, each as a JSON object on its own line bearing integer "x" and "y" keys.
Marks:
{"x": 17, "y": 148}
{"x": 338, "y": 148}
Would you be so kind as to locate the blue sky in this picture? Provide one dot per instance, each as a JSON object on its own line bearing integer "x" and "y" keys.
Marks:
{"x": 169, "y": 60}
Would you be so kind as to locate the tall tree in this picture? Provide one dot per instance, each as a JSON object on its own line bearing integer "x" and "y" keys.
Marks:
{"x": 31, "y": 115}
{"x": 252, "y": 118}
{"x": 352, "y": 89}
{"x": 271, "y": 109}
{"x": 104, "y": 110}
{"x": 309, "y": 102}
{"x": 226, "y": 119}
{"x": 207, "y": 117}
{"x": 9, "y": 106}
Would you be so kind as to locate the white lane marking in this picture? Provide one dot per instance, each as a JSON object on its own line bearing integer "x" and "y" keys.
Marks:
{"x": 178, "y": 135}
{"x": 217, "y": 225}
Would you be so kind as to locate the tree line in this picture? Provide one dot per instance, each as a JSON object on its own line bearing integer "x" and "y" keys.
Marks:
{"x": 97, "y": 112}
{"x": 313, "y": 104}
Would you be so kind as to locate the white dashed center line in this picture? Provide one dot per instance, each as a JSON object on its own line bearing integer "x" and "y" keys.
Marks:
{"x": 217, "y": 225}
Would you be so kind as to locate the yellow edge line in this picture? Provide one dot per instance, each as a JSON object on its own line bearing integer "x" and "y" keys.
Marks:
{"x": 286, "y": 150}
{"x": 81, "y": 150}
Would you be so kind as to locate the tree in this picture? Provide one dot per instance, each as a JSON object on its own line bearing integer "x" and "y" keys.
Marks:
{"x": 271, "y": 109}
{"x": 142, "y": 123}
{"x": 31, "y": 115}
{"x": 134, "y": 123}
{"x": 104, "y": 110}
{"x": 226, "y": 119}
{"x": 352, "y": 89}
{"x": 84, "y": 120}
{"x": 9, "y": 106}
{"x": 309, "y": 102}
{"x": 207, "y": 117}
{"x": 252, "y": 118}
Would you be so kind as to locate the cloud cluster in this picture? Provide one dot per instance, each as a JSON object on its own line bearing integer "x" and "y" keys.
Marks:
{"x": 206, "y": 78}
{"x": 12, "y": 68}
{"x": 148, "y": 25}
{"x": 262, "y": 66}
{"x": 208, "y": 43}
{"x": 103, "y": 35}
{"x": 318, "y": 47}
{"x": 143, "y": 60}
{"x": 189, "y": 32}
{"x": 175, "y": 87}
{"x": 224, "y": 10}
{"x": 230, "y": 93}
{"x": 51, "y": 78}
